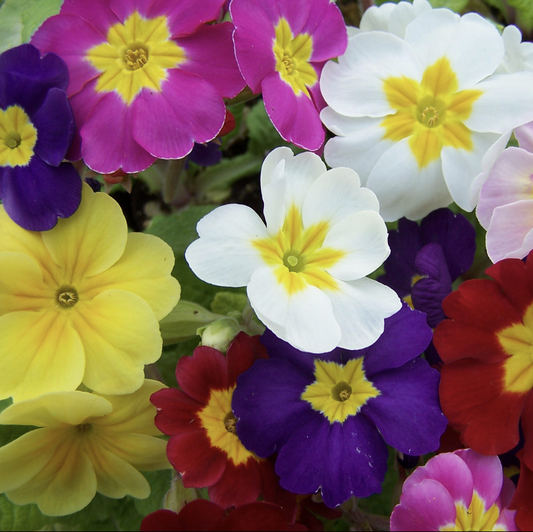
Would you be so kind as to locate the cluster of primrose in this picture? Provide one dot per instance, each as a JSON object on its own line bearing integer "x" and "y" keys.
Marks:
{"x": 358, "y": 343}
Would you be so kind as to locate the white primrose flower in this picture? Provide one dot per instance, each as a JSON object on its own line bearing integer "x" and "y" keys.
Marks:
{"x": 420, "y": 118}
{"x": 305, "y": 271}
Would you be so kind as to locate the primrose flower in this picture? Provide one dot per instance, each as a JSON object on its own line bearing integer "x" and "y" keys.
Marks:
{"x": 146, "y": 78}
{"x": 36, "y": 129}
{"x": 522, "y": 501}
{"x": 415, "y": 117}
{"x": 330, "y": 416}
{"x": 281, "y": 47}
{"x": 81, "y": 302}
{"x": 203, "y": 445}
{"x": 87, "y": 443}
{"x": 505, "y": 206}
{"x": 462, "y": 490}
{"x": 305, "y": 271}
{"x": 486, "y": 388}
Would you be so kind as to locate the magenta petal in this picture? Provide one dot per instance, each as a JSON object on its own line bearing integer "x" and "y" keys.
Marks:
{"x": 254, "y": 36}
{"x": 295, "y": 12}
{"x": 97, "y": 12}
{"x": 70, "y": 37}
{"x": 450, "y": 471}
{"x": 295, "y": 117}
{"x": 185, "y": 16}
{"x": 107, "y": 140}
{"x": 124, "y": 8}
{"x": 424, "y": 506}
{"x": 210, "y": 56}
{"x": 487, "y": 473}
{"x": 328, "y": 30}
{"x": 187, "y": 110}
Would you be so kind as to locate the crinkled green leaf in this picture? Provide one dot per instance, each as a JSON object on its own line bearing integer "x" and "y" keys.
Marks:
{"x": 524, "y": 14}
{"x": 27, "y": 517}
{"x": 20, "y": 18}
{"x": 160, "y": 482}
{"x": 455, "y": 5}
{"x": 229, "y": 302}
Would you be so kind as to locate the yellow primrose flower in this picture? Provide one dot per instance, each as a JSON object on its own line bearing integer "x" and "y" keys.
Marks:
{"x": 81, "y": 302}
{"x": 87, "y": 443}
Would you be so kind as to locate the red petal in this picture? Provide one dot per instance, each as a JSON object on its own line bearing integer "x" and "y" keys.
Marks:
{"x": 527, "y": 426}
{"x": 242, "y": 353}
{"x": 164, "y": 520}
{"x": 200, "y": 515}
{"x": 176, "y": 412}
{"x": 258, "y": 516}
{"x": 523, "y": 500}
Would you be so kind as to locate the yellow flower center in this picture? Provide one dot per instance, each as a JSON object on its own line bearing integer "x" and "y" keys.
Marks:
{"x": 84, "y": 429}
{"x": 220, "y": 423}
{"x": 431, "y": 113}
{"x": 136, "y": 55}
{"x": 475, "y": 517}
{"x": 339, "y": 391}
{"x": 67, "y": 296}
{"x": 297, "y": 256}
{"x": 517, "y": 342}
{"x": 292, "y": 58}
{"x": 17, "y": 137}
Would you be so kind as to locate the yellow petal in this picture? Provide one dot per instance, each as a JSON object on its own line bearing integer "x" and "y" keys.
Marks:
{"x": 116, "y": 477}
{"x": 22, "y": 459}
{"x": 133, "y": 412}
{"x": 21, "y": 284}
{"x": 120, "y": 335}
{"x": 91, "y": 240}
{"x": 14, "y": 238}
{"x": 65, "y": 485}
{"x": 143, "y": 269}
{"x": 40, "y": 352}
{"x": 56, "y": 410}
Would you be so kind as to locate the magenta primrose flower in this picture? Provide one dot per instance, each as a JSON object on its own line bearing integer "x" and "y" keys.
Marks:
{"x": 463, "y": 490}
{"x": 281, "y": 47}
{"x": 147, "y": 78}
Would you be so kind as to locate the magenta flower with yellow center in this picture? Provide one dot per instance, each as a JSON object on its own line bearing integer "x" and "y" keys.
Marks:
{"x": 86, "y": 443}
{"x": 147, "y": 79}
{"x": 81, "y": 302}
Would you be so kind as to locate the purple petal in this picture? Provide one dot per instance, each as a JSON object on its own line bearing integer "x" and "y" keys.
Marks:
{"x": 424, "y": 506}
{"x": 428, "y": 293}
{"x": 305, "y": 362}
{"x": 254, "y": 36}
{"x": 25, "y": 78}
{"x": 210, "y": 56}
{"x": 98, "y": 13}
{"x": 268, "y": 404}
{"x": 405, "y": 337}
{"x": 455, "y": 234}
{"x": 408, "y": 413}
{"x": 55, "y": 127}
{"x": 69, "y": 36}
{"x": 185, "y": 16}
{"x": 206, "y": 154}
{"x": 487, "y": 473}
{"x": 35, "y": 195}
{"x": 343, "y": 459}
{"x": 295, "y": 117}
{"x": 187, "y": 110}
{"x": 107, "y": 140}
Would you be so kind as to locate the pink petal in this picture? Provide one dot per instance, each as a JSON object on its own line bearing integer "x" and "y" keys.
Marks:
{"x": 96, "y": 12}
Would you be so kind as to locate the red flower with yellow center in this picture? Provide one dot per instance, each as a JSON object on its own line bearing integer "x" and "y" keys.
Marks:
{"x": 204, "y": 447}
{"x": 487, "y": 349}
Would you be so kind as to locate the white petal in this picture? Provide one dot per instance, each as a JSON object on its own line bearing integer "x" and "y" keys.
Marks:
{"x": 510, "y": 234}
{"x": 405, "y": 13}
{"x": 377, "y": 18}
{"x": 524, "y": 136}
{"x": 304, "y": 319}
{"x": 460, "y": 167}
{"x": 362, "y": 146}
{"x": 354, "y": 85}
{"x": 508, "y": 182}
{"x": 336, "y": 195}
{"x": 363, "y": 237}
{"x": 403, "y": 189}
{"x": 506, "y": 103}
{"x": 361, "y": 307}
{"x": 223, "y": 255}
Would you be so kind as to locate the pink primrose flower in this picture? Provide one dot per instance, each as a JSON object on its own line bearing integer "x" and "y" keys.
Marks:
{"x": 147, "y": 78}
{"x": 281, "y": 47}
{"x": 463, "y": 490}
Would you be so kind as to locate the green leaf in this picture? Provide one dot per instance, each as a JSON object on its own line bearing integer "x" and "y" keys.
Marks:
{"x": 171, "y": 354}
{"x": 263, "y": 135}
{"x": 27, "y": 517}
{"x": 524, "y": 14}
{"x": 160, "y": 482}
{"x": 455, "y": 5}
{"x": 20, "y": 18}
{"x": 229, "y": 302}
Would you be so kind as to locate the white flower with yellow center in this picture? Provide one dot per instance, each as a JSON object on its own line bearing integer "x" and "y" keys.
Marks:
{"x": 305, "y": 271}
{"x": 416, "y": 116}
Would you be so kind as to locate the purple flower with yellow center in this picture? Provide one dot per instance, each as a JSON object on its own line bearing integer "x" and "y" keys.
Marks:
{"x": 147, "y": 79}
{"x": 330, "y": 416}
{"x": 36, "y": 129}
{"x": 281, "y": 48}
{"x": 462, "y": 490}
